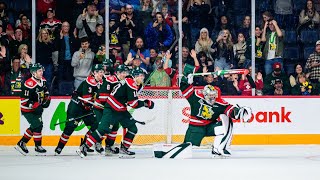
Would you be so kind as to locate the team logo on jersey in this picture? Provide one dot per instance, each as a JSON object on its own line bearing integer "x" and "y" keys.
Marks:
{"x": 205, "y": 111}
{"x": 111, "y": 126}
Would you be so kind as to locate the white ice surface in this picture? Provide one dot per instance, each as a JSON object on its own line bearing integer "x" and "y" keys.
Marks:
{"x": 247, "y": 163}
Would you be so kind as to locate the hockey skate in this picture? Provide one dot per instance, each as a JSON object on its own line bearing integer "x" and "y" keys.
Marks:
{"x": 82, "y": 151}
{"x": 88, "y": 150}
{"x": 111, "y": 150}
{"x": 57, "y": 151}
{"x": 125, "y": 153}
{"x": 99, "y": 148}
{"x": 22, "y": 148}
{"x": 40, "y": 150}
{"x": 220, "y": 153}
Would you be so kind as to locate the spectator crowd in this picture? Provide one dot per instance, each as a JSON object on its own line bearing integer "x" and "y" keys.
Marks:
{"x": 70, "y": 39}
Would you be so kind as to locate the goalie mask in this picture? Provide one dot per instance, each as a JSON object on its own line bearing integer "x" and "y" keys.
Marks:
{"x": 210, "y": 94}
{"x": 37, "y": 70}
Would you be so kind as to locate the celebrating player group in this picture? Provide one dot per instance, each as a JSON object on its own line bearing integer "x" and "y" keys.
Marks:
{"x": 101, "y": 102}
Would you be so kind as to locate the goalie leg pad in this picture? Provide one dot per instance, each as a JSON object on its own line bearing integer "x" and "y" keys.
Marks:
{"x": 181, "y": 151}
{"x": 222, "y": 142}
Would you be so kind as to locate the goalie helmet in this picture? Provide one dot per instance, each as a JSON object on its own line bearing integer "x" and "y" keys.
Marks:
{"x": 210, "y": 94}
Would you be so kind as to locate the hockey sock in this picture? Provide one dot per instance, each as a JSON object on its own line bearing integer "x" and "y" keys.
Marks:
{"x": 93, "y": 138}
{"x": 63, "y": 140}
{"x": 111, "y": 137}
{"x": 37, "y": 137}
{"x": 27, "y": 136}
{"x": 128, "y": 138}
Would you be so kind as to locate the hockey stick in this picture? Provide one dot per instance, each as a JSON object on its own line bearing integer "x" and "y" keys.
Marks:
{"x": 101, "y": 106}
{"x": 74, "y": 119}
{"x": 222, "y": 72}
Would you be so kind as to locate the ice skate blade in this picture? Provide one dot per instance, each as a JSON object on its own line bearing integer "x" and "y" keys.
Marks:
{"x": 20, "y": 150}
{"x": 78, "y": 151}
{"x": 40, "y": 154}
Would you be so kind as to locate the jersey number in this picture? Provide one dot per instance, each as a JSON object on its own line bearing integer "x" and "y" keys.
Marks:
{"x": 115, "y": 89}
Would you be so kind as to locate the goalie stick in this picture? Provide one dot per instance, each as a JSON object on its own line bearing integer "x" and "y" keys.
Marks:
{"x": 101, "y": 106}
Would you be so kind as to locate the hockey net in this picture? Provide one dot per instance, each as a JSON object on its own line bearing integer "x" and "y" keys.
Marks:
{"x": 167, "y": 122}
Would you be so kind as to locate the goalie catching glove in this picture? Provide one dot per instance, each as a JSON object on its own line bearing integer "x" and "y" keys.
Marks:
{"x": 244, "y": 113}
{"x": 149, "y": 104}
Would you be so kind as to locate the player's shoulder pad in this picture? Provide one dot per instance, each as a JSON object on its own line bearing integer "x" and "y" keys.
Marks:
{"x": 91, "y": 81}
{"x": 43, "y": 79}
{"x": 30, "y": 83}
{"x": 221, "y": 101}
{"x": 112, "y": 79}
{"x": 130, "y": 82}
{"x": 198, "y": 93}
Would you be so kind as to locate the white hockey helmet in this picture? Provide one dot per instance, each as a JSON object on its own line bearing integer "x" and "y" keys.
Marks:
{"x": 210, "y": 94}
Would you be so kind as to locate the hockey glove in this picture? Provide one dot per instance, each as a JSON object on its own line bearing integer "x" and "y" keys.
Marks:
{"x": 244, "y": 114}
{"x": 46, "y": 101}
{"x": 38, "y": 109}
{"x": 190, "y": 78}
{"x": 149, "y": 104}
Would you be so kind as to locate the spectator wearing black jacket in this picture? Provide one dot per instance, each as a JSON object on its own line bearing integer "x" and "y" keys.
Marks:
{"x": 67, "y": 45}
{"x": 96, "y": 38}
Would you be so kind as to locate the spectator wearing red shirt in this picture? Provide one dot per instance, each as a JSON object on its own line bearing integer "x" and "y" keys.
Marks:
{"x": 246, "y": 84}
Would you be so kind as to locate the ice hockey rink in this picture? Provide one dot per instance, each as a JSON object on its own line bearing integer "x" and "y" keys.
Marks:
{"x": 294, "y": 162}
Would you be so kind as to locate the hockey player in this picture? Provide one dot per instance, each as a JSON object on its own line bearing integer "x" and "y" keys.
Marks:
{"x": 123, "y": 94}
{"x": 77, "y": 107}
{"x": 206, "y": 108}
{"x": 108, "y": 83}
{"x": 34, "y": 97}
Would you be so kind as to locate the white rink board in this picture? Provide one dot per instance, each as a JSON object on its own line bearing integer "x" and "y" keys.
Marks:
{"x": 296, "y": 116}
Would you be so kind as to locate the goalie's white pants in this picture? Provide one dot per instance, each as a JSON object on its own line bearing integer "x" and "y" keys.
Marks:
{"x": 223, "y": 134}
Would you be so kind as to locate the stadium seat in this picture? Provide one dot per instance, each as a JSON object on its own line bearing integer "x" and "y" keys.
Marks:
{"x": 309, "y": 37}
{"x": 65, "y": 88}
{"x": 290, "y": 37}
{"x": 307, "y": 51}
{"x": 291, "y": 54}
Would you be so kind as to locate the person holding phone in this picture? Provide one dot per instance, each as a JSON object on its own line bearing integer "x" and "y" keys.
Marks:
{"x": 313, "y": 64}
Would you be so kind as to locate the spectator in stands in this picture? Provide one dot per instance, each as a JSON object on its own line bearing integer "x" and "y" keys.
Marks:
{"x": 229, "y": 85}
{"x": 224, "y": 52}
{"x": 52, "y": 24}
{"x": 293, "y": 79}
{"x": 259, "y": 60}
{"x": 168, "y": 18}
{"x": 25, "y": 58}
{"x": 117, "y": 57}
{"x": 82, "y": 61}
{"x": 313, "y": 64}
{"x": 4, "y": 13}
{"x": 273, "y": 49}
{"x": 205, "y": 62}
{"x": 92, "y": 17}
{"x": 100, "y": 55}
{"x": 139, "y": 51}
{"x": 160, "y": 78}
{"x": 304, "y": 86}
{"x": 114, "y": 34}
{"x": 283, "y": 10}
{"x": 126, "y": 28}
{"x": 25, "y": 26}
{"x": 223, "y": 24}
{"x": 241, "y": 61}
{"x": 245, "y": 28}
{"x": 44, "y": 54}
{"x": 282, "y": 87}
{"x": 266, "y": 16}
{"x": 246, "y": 83}
{"x": 145, "y": 11}
{"x": 77, "y": 8}
{"x": 204, "y": 43}
{"x": 15, "y": 78}
{"x": 158, "y": 33}
{"x": 16, "y": 41}
{"x": 309, "y": 18}
{"x": 153, "y": 56}
{"x": 4, "y": 65}
{"x": 97, "y": 38}
{"x": 198, "y": 13}
{"x": 210, "y": 79}
{"x": 44, "y": 5}
{"x": 67, "y": 45}
{"x": 135, "y": 20}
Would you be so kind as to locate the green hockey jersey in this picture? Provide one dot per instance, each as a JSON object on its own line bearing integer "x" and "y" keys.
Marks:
{"x": 123, "y": 94}
{"x": 105, "y": 89}
{"x": 202, "y": 113}
{"x": 33, "y": 92}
